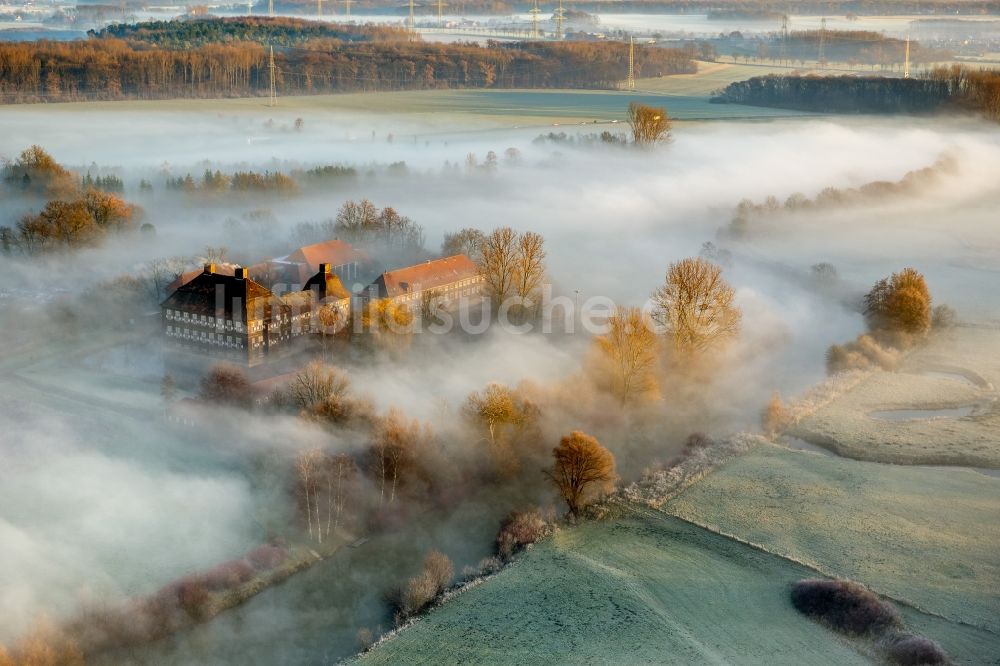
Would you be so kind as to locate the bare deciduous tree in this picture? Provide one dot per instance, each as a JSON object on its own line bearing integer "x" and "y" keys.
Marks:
{"x": 466, "y": 241}
{"x": 316, "y": 383}
{"x": 226, "y": 385}
{"x": 499, "y": 263}
{"x": 582, "y": 470}
{"x": 513, "y": 265}
{"x": 650, "y": 125}
{"x": 393, "y": 449}
{"x": 696, "y": 306}
{"x": 629, "y": 348}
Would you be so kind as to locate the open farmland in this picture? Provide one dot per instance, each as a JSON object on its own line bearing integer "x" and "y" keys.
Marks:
{"x": 643, "y": 589}
{"x": 685, "y": 96}
{"x": 958, "y": 368}
{"x": 924, "y": 535}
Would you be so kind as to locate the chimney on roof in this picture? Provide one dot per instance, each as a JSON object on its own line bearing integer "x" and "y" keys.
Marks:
{"x": 209, "y": 269}
{"x": 325, "y": 269}
{"x": 242, "y": 274}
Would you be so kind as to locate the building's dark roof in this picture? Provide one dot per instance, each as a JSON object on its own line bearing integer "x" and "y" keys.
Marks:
{"x": 428, "y": 275}
{"x": 217, "y": 295}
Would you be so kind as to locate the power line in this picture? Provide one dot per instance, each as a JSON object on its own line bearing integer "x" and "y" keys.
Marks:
{"x": 273, "y": 100}
{"x": 630, "y": 81}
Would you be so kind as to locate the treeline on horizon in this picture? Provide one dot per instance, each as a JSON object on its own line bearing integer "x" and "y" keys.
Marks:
{"x": 942, "y": 88}
{"x": 105, "y": 68}
{"x": 848, "y": 46}
{"x": 717, "y": 8}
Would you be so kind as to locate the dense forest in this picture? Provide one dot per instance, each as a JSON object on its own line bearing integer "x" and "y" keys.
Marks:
{"x": 277, "y": 31}
{"x": 107, "y": 68}
{"x": 942, "y": 88}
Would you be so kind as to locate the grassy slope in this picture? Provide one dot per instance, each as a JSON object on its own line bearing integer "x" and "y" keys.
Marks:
{"x": 924, "y": 535}
{"x": 643, "y": 589}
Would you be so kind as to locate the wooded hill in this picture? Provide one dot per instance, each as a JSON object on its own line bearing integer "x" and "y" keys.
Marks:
{"x": 945, "y": 88}
{"x": 153, "y": 62}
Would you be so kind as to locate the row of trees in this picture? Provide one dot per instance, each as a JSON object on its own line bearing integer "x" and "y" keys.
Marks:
{"x": 912, "y": 183}
{"x": 274, "y": 30}
{"x": 943, "y": 88}
{"x": 240, "y": 181}
{"x": 109, "y": 68}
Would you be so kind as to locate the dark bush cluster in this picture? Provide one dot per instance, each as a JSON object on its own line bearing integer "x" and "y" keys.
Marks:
{"x": 913, "y": 650}
{"x": 846, "y": 606}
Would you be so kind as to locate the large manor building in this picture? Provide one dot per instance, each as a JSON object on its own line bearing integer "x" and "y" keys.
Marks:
{"x": 227, "y": 313}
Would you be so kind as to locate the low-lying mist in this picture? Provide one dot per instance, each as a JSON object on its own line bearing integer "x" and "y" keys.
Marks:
{"x": 99, "y": 498}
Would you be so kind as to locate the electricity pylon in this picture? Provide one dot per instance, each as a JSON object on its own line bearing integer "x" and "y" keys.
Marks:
{"x": 784, "y": 38}
{"x": 534, "y": 11}
{"x": 270, "y": 7}
{"x": 273, "y": 98}
{"x": 249, "y": 7}
{"x": 630, "y": 80}
{"x": 906, "y": 59}
{"x": 319, "y": 7}
{"x": 821, "y": 56}
{"x": 347, "y": 7}
{"x": 560, "y": 15}
{"x": 440, "y": 10}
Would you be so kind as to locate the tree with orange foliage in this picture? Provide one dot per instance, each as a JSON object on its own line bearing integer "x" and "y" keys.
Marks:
{"x": 696, "y": 306}
{"x": 629, "y": 349}
{"x": 899, "y": 303}
{"x": 45, "y": 645}
{"x": 582, "y": 470}
{"x": 650, "y": 125}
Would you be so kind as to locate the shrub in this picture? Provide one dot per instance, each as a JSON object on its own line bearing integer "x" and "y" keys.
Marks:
{"x": 193, "y": 597}
{"x": 422, "y": 589}
{"x": 696, "y": 441}
{"x": 228, "y": 574}
{"x": 418, "y": 593}
{"x": 440, "y": 569}
{"x": 365, "y": 639}
{"x": 943, "y": 316}
{"x": 844, "y": 605}
{"x": 519, "y": 529}
{"x": 913, "y": 650}
{"x": 774, "y": 417}
{"x": 267, "y": 556}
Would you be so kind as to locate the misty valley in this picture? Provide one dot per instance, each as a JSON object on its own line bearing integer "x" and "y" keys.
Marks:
{"x": 391, "y": 359}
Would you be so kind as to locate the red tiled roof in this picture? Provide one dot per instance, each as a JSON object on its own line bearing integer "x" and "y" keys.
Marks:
{"x": 428, "y": 275}
{"x": 333, "y": 252}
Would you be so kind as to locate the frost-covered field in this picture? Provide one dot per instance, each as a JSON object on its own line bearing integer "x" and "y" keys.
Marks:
{"x": 643, "y": 589}
{"x": 957, "y": 368}
{"x": 925, "y": 535}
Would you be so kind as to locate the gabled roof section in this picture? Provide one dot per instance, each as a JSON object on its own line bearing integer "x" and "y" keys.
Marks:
{"x": 219, "y": 295}
{"x": 327, "y": 285}
{"x": 425, "y": 276}
{"x": 187, "y": 276}
{"x": 333, "y": 252}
